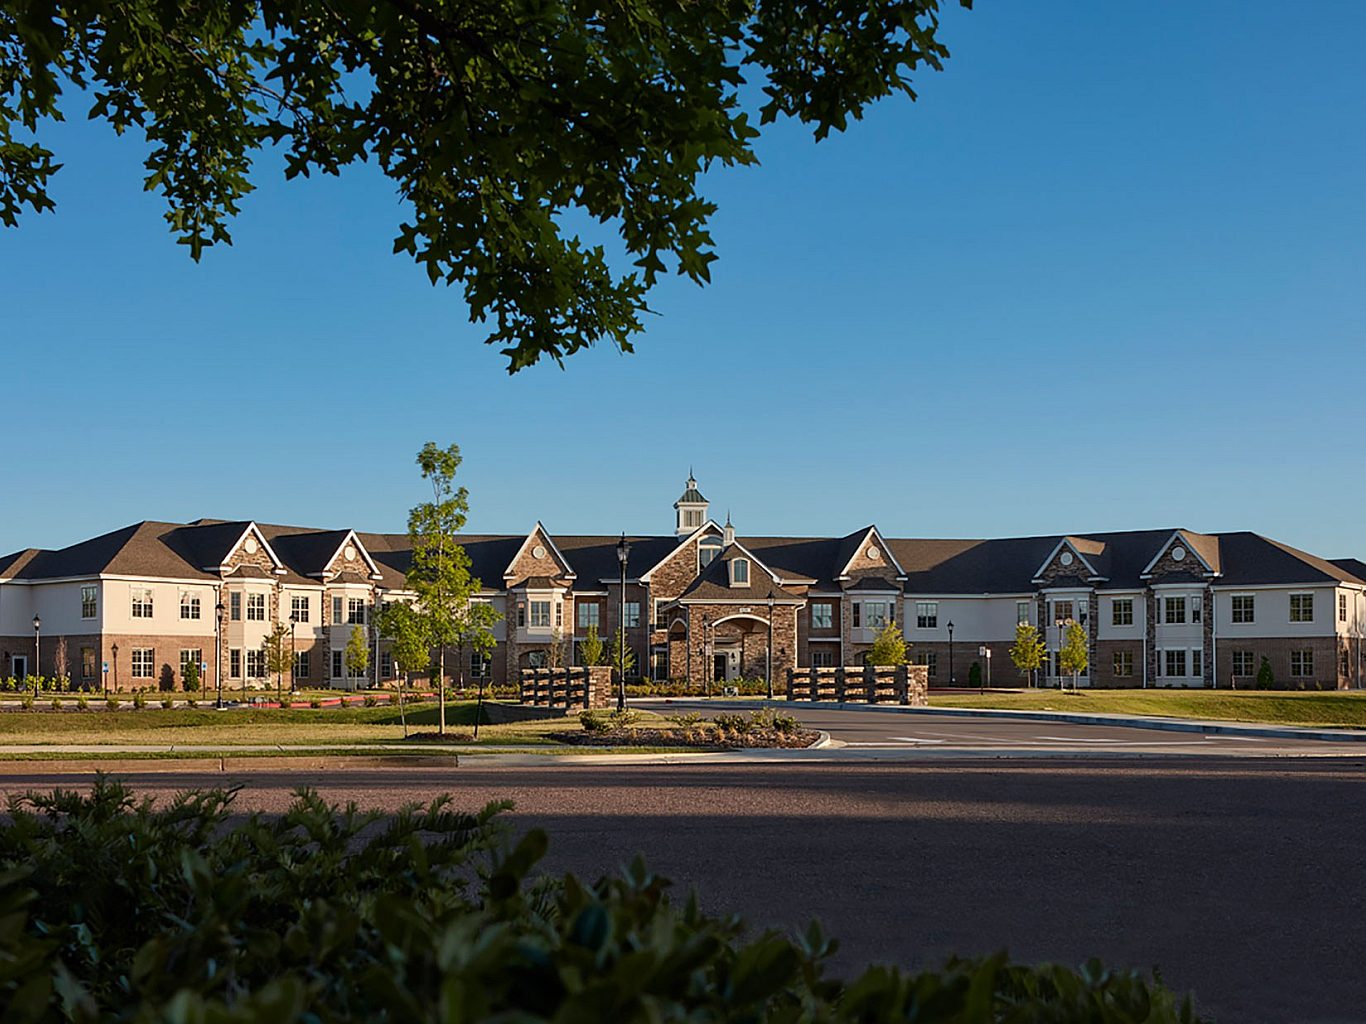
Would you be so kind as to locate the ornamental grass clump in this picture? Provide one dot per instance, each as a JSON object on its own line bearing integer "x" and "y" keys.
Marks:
{"x": 114, "y": 909}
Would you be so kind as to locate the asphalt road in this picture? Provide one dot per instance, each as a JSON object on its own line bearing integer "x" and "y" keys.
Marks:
{"x": 1240, "y": 878}
{"x": 894, "y": 731}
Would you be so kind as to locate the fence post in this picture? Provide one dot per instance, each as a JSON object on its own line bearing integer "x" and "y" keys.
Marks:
{"x": 903, "y": 695}
{"x": 839, "y": 684}
{"x": 870, "y": 682}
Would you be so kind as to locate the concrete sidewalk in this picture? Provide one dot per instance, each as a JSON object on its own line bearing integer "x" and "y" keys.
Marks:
{"x": 1193, "y": 725}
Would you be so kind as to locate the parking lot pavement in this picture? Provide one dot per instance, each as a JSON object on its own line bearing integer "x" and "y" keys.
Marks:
{"x": 891, "y": 730}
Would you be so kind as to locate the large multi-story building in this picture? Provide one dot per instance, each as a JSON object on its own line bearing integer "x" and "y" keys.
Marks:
{"x": 1165, "y": 607}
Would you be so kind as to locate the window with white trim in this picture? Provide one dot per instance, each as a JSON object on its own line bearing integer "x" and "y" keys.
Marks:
{"x": 1175, "y": 663}
{"x": 1022, "y": 613}
{"x": 1342, "y": 607}
{"x": 301, "y": 668}
{"x": 144, "y": 662}
{"x": 299, "y": 608}
{"x": 89, "y": 602}
{"x": 1302, "y": 663}
{"x": 1124, "y": 664}
{"x": 822, "y": 657}
{"x": 822, "y": 615}
{"x": 235, "y": 606}
{"x": 1244, "y": 663}
{"x": 1197, "y": 608}
{"x": 1197, "y": 663}
{"x": 927, "y": 615}
{"x": 256, "y": 607}
{"x": 661, "y": 616}
{"x": 876, "y": 614}
{"x": 1244, "y": 608}
{"x": 1174, "y": 612}
{"x": 1122, "y": 614}
{"x": 337, "y": 609}
{"x": 87, "y": 663}
{"x": 190, "y": 655}
{"x": 235, "y": 663}
{"x": 559, "y": 614}
{"x": 739, "y": 572}
{"x": 479, "y": 665}
{"x": 692, "y": 518}
{"x": 355, "y": 611}
{"x": 589, "y": 614}
{"x": 1302, "y": 609}
{"x": 142, "y": 602}
{"x": 632, "y": 614}
{"x": 707, "y": 550}
{"x": 540, "y": 613}
{"x": 338, "y": 664}
{"x": 256, "y": 663}
{"x": 1062, "y": 610}
{"x": 189, "y": 604}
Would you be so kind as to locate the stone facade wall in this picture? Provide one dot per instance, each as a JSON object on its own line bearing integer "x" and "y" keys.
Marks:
{"x": 1168, "y": 570}
{"x": 526, "y": 564}
{"x": 348, "y": 570}
{"x": 699, "y": 668}
{"x": 590, "y": 687}
{"x": 242, "y": 558}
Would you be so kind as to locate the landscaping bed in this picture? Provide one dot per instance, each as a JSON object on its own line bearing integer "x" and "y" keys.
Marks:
{"x": 1342, "y": 709}
{"x": 761, "y": 729}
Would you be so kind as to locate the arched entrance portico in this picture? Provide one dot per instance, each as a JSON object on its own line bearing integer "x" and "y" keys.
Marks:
{"x": 739, "y": 647}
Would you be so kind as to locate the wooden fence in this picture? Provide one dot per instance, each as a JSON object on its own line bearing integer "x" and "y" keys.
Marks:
{"x": 862, "y": 684}
{"x": 569, "y": 687}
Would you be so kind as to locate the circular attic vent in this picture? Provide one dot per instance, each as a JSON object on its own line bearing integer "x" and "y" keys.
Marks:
{"x": 538, "y": 552}
{"x": 874, "y": 554}
{"x": 1178, "y": 554}
{"x": 350, "y": 553}
{"x": 250, "y": 545}
{"x": 1065, "y": 558}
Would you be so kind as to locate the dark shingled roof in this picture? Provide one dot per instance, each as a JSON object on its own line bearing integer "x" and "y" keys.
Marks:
{"x": 714, "y": 582}
{"x": 933, "y": 566}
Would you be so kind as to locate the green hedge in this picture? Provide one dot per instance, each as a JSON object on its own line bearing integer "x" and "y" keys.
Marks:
{"x": 112, "y": 910}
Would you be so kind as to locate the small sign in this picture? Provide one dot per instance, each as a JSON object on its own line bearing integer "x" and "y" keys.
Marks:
{"x": 203, "y": 666}
{"x": 106, "y": 666}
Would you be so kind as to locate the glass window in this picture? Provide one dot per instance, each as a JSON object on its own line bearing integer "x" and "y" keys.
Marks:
{"x": 87, "y": 663}
{"x": 559, "y": 614}
{"x": 479, "y": 665}
{"x": 1301, "y": 663}
{"x": 1124, "y": 663}
{"x": 930, "y": 659}
{"x": 692, "y": 518}
{"x": 235, "y": 606}
{"x": 301, "y": 666}
{"x": 589, "y": 615}
{"x": 355, "y": 611}
{"x": 256, "y": 664}
{"x": 1342, "y": 607}
{"x": 191, "y": 655}
{"x": 540, "y": 613}
{"x": 1301, "y": 607}
{"x": 386, "y": 665}
{"x": 822, "y": 657}
{"x": 1174, "y": 611}
{"x": 536, "y": 659}
{"x": 298, "y": 608}
{"x": 661, "y": 616}
{"x": 1197, "y": 663}
{"x": 337, "y": 667}
{"x": 1176, "y": 663}
{"x": 235, "y": 663}
{"x": 632, "y": 614}
{"x": 142, "y": 602}
{"x": 927, "y": 615}
{"x": 1243, "y": 608}
{"x": 822, "y": 615}
{"x": 707, "y": 550}
{"x": 144, "y": 662}
{"x": 876, "y": 614}
{"x": 336, "y": 610}
{"x": 1244, "y": 664}
{"x": 1196, "y": 609}
{"x": 88, "y": 602}
{"x": 858, "y": 614}
{"x": 1022, "y": 612}
{"x": 256, "y": 607}
{"x": 739, "y": 571}
{"x": 1062, "y": 610}
{"x": 1122, "y": 613}
{"x": 189, "y": 605}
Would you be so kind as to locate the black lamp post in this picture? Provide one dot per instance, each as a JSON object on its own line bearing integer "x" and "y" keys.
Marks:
{"x": 952, "y": 680}
{"x": 115, "y": 649}
{"x": 217, "y": 653}
{"x": 770, "y": 646}
{"x": 1061, "y": 624}
{"x": 293, "y": 651}
{"x": 623, "y": 553}
{"x": 37, "y": 654}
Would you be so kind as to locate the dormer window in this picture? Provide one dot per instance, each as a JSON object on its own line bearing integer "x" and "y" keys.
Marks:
{"x": 707, "y": 550}
{"x": 739, "y": 572}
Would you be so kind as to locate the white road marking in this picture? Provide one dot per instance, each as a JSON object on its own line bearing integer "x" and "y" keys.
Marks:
{"x": 914, "y": 739}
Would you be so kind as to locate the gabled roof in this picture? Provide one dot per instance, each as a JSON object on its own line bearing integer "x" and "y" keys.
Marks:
{"x": 1205, "y": 549}
{"x": 566, "y": 568}
{"x": 1089, "y": 552}
{"x": 691, "y": 495}
{"x": 674, "y": 547}
{"x": 848, "y": 550}
{"x": 713, "y": 583}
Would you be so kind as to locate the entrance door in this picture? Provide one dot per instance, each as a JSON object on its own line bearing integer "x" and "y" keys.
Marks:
{"x": 20, "y": 664}
{"x": 718, "y": 668}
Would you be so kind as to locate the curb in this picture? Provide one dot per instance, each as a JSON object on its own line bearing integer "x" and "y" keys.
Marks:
{"x": 211, "y": 765}
{"x": 1211, "y": 728}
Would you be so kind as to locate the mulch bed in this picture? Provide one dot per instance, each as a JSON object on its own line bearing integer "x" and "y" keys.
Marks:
{"x": 698, "y": 740}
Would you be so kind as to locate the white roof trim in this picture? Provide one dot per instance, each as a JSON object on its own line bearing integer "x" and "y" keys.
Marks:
{"x": 758, "y": 561}
{"x": 352, "y": 538}
{"x": 1065, "y": 542}
{"x": 710, "y": 524}
{"x": 1185, "y": 542}
{"x": 872, "y": 531}
{"x": 564, "y": 562}
{"x": 251, "y": 528}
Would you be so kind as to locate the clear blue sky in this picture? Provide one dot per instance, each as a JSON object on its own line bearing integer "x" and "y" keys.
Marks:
{"x": 1109, "y": 272}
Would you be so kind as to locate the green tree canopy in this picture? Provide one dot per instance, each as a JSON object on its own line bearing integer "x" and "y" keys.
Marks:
{"x": 357, "y": 653}
{"x": 889, "y": 647}
{"x": 590, "y": 647}
{"x": 1027, "y": 652}
{"x": 515, "y": 132}
{"x": 1073, "y": 657}
{"x": 621, "y": 656}
{"x": 402, "y": 627}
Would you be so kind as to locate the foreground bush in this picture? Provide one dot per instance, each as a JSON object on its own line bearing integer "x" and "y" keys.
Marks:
{"x": 111, "y": 910}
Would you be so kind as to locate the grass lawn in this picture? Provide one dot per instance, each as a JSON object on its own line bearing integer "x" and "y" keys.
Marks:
{"x": 203, "y": 725}
{"x": 1324, "y": 709}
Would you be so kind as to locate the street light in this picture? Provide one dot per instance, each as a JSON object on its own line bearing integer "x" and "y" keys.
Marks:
{"x": 115, "y": 649}
{"x": 37, "y": 655}
{"x": 770, "y": 646}
{"x": 623, "y": 553}
{"x": 217, "y": 653}
{"x": 985, "y": 652}
{"x": 293, "y": 650}
{"x": 1061, "y": 623}
{"x": 952, "y": 680}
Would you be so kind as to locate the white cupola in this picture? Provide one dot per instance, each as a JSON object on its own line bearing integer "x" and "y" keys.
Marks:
{"x": 690, "y": 510}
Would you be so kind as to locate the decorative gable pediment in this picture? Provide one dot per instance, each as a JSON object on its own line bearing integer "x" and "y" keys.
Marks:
{"x": 538, "y": 557}
{"x": 1070, "y": 564}
{"x": 671, "y": 574}
{"x": 351, "y": 562}
{"x": 1180, "y": 559}
{"x": 870, "y": 556}
{"x": 251, "y": 555}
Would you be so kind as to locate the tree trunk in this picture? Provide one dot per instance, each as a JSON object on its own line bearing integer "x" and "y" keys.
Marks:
{"x": 402, "y": 712}
{"x": 441, "y": 690}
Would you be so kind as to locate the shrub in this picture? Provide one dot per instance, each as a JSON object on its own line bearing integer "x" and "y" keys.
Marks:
{"x": 83, "y": 703}
{"x": 1266, "y": 679}
{"x": 191, "y": 702}
{"x": 393, "y": 698}
{"x": 315, "y": 702}
{"x": 319, "y": 915}
{"x": 371, "y": 700}
{"x": 27, "y": 701}
{"x": 167, "y": 702}
{"x": 112, "y": 703}
{"x": 139, "y": 700}
{"x": 189, "y": 677}
{"x": 56, "y": 703}
{"x": 975, "y": 675}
